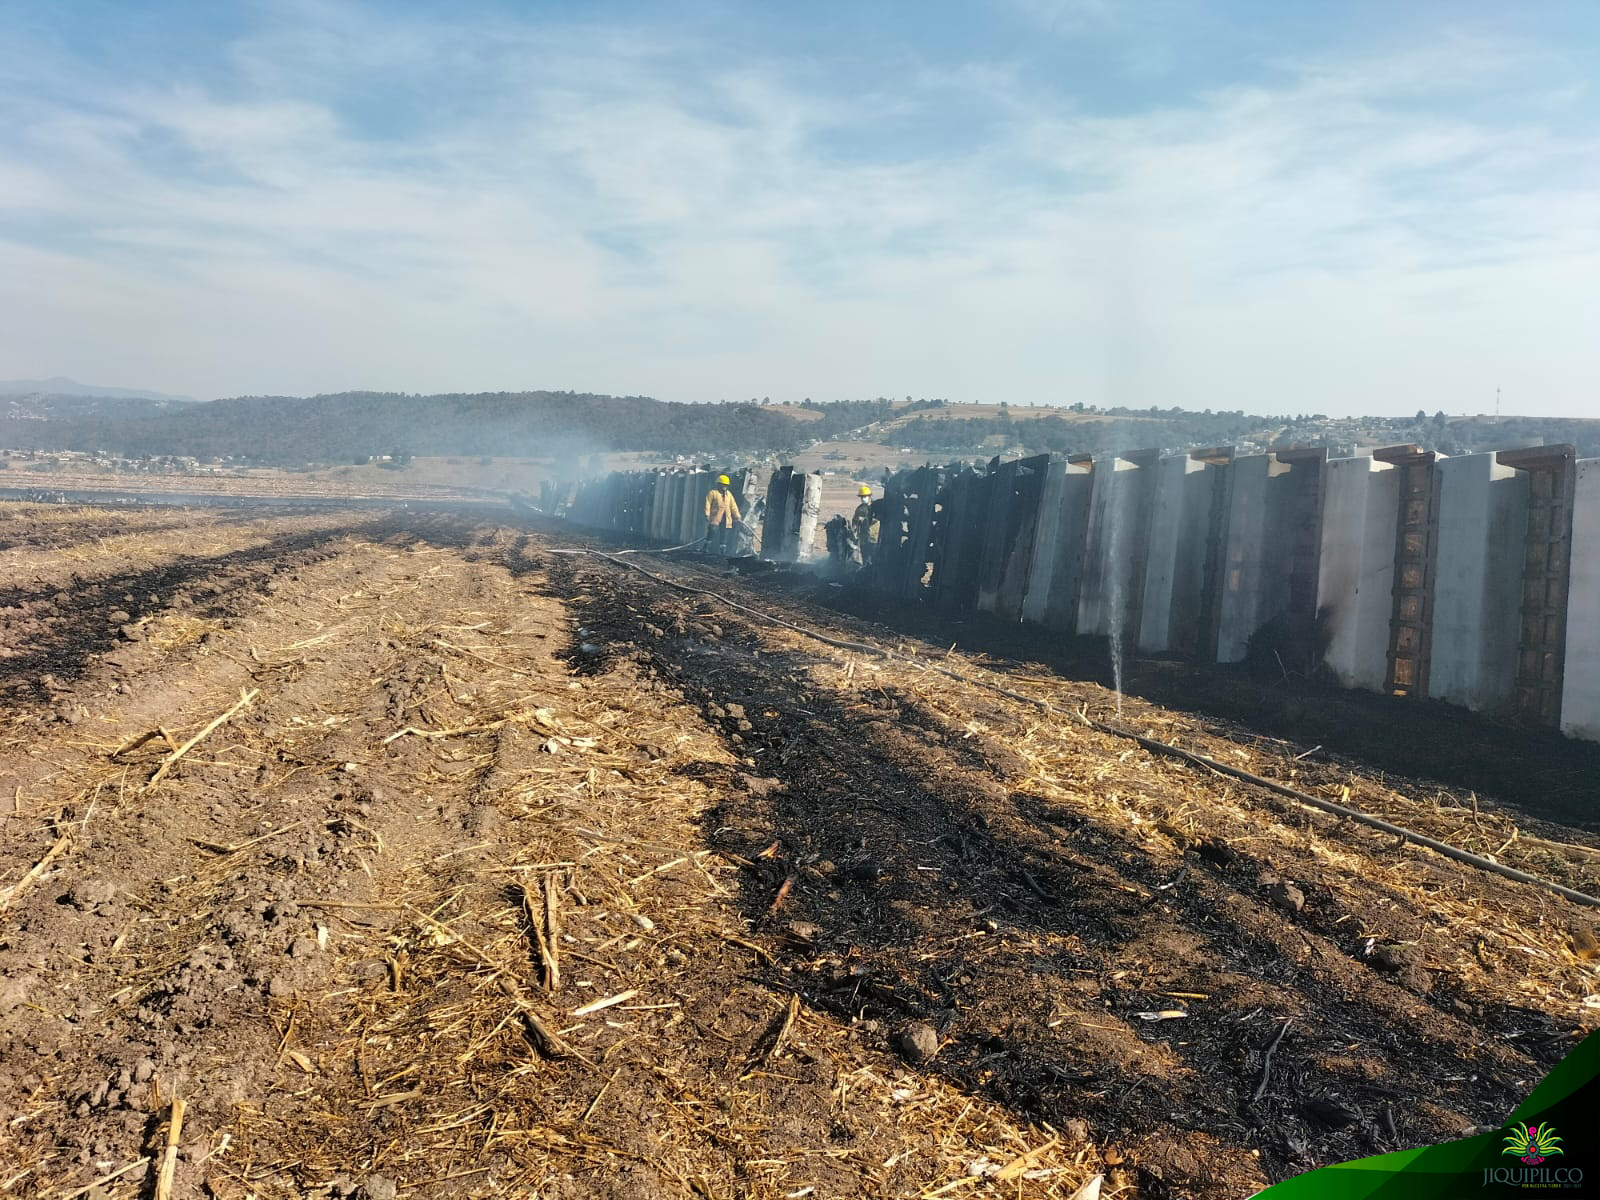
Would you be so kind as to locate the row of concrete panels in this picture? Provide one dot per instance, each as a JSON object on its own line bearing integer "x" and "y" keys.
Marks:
{"x": 664, "y": 506}
{"x": 1471, "y": 580}
{"x": 1474, "y": 580}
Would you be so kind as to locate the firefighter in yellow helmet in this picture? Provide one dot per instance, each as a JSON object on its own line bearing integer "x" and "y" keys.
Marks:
{"x": 866, "y": 526}
{"x": 722, "y": 510}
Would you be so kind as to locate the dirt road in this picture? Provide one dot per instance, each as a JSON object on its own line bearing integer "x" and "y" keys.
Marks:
{"x": 509, "y": 871}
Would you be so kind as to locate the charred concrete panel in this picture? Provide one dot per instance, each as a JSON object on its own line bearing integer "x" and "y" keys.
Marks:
{"x": 1046, "y": 540}
{"x": 775, "y": 522}
{"x": 1009, "y": 535}
{"x": 919, "y": 492}
{"x": 1072, "y": 531}
{"x": 964, "y": 504}
{"x": 808, "y": 498}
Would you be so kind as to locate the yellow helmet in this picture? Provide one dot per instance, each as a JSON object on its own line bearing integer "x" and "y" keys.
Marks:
{"x": 866, "y": 489}
{"x": 723, "y": 479}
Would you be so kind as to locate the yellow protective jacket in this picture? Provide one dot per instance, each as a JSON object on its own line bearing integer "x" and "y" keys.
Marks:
{"x": 866, "y": 525}
{"x": 721, "y": 507}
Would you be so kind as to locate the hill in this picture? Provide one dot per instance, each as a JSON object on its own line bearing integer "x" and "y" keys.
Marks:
{"x": 353, "y": 425}
{"x": 50, "y": 407}
{"x": 1095, "y": 431}
{"x": 59, "y": 385}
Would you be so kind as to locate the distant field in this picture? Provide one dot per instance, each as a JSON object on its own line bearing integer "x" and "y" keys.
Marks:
{"x": 848, "y": 456}
{"x": 795, "y": 411}
{"x": 498, "y": 474}
{"x": 961, "y": 412}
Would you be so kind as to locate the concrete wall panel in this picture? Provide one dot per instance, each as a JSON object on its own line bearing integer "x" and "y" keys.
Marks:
{"x": 1357, "y": 578}
{"x": 1174, "y": 569}
{"x": 1047, "y": 541}
{"x": 1110, "y": 591}
{"x": 1258, "y": 552}
{"x": 1483, "y": 517}
{"x": 1152, "y": 550}
{"x": 1580, "y": 697}
{"x": 1061, "y": 602}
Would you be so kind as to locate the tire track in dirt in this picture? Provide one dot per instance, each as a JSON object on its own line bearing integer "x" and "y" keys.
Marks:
{"x": 59, "y": 631}
{"x": 187, "y": 1000}
{"x": 51, "y": 527}
{"x": 50, "y": 635}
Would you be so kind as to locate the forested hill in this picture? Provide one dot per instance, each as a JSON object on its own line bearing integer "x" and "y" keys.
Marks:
{"x": 347, "y": 425}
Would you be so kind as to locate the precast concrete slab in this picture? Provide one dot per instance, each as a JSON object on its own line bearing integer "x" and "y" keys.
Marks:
{"x": 660, "y": 500}
{"x": 1046, "y": 540}
{"x": 1072, "y": 527}
{"x": 1477, "y": 591}
{"x": 774, "y": 521}
{"x": 1174, "y": 569}
{"x": 690, "y": 523}
{"x": 1356, "y": 586}
{"x": 810, "y": 500}
{"x": 963, "y": 503}
{"x": 1580, "y": 697}
{"x": 1249, "y": 592}
{"x": 1269, "y": 562}
{"x": 672, "y": 510}
{"x": 992, "y": 526}
{"x": 1110, "y": 592}
{"x": 1021, "y": 536}
{"x": 682, "y": 499}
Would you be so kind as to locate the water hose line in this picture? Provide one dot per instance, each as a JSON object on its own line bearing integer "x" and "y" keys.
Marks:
{"x": 1455, "y": 853}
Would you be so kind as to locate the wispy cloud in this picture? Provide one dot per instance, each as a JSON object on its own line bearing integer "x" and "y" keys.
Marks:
{"x": 341, "y": 197}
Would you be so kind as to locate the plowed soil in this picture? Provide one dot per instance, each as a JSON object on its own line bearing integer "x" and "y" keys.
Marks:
{"x": 421, "y": 855}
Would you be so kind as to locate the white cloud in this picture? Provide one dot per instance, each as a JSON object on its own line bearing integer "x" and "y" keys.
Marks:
{"x": 601, "y": 209}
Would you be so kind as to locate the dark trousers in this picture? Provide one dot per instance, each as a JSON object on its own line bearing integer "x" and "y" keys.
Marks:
{"x": 718, "y": 538}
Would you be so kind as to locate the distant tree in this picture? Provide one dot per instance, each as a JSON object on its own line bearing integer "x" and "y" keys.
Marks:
{"x": 1421, "y": 418}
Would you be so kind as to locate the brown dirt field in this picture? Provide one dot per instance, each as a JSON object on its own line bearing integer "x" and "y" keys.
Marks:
{"x": 424, "y": 478}
{"x": 329, "y": 925}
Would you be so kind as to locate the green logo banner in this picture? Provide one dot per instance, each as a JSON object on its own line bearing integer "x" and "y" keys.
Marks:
{"x": 1551, "y": 1145}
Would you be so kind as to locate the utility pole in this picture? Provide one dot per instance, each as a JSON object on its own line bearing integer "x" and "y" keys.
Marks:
{"x": 1497, "y": 406}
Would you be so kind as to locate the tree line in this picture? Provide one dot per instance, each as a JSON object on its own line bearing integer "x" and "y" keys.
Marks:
{"x": 348, "y": 425}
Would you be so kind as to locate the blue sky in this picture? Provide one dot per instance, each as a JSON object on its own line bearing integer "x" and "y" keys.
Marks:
{"x": 1280, "y": 207}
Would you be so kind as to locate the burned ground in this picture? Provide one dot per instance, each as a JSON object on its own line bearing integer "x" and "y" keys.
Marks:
{"x": 863, "y": 929}
{"x": 1427, "y": 742}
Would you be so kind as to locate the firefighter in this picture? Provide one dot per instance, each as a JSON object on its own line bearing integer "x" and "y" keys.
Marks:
{"x": 722, "y": 510}
{"x": 865, "y": 526}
